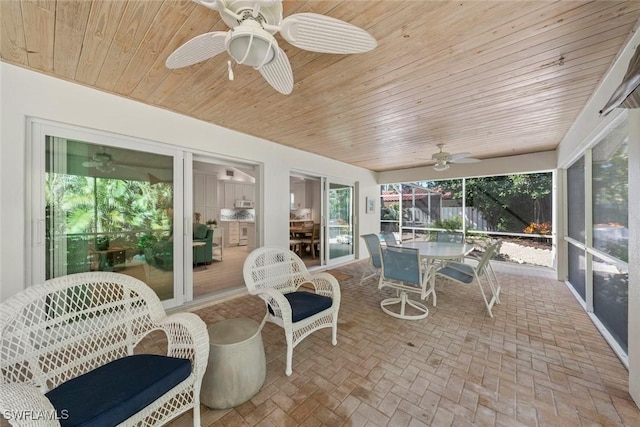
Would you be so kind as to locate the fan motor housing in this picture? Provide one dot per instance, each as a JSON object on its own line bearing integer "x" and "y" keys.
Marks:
{"x": 270, "y": 12}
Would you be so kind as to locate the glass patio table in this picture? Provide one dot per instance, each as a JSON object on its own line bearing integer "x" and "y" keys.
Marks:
{"x": 431, "y": 252}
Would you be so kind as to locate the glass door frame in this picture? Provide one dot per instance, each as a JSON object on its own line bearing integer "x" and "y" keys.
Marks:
{"x": 37, "y": 132}
{"x": 326, "y": 186}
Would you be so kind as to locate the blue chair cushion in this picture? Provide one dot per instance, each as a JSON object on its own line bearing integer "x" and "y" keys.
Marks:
{"x": 456, "y": 273}
{"x": 111, "y": 393}
{"x": 465, "y": 268}
{"x": 306, "y": 304}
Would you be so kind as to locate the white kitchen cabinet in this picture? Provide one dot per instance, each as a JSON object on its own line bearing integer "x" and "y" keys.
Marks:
{"x": 205, "y": 196}
{"x": 237, "y": 191}
{"x": 232, "y": 233}
{"x": 229, "y": 195}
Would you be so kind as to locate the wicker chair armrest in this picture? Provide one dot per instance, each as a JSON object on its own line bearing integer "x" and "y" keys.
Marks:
{"x": 327, "y": 285}
{"x": 187, "y": 338}
{"x": 25, "y": 405}
{"x": 279, "y": 304}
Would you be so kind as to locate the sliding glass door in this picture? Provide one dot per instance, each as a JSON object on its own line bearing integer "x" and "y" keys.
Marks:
{"x": 99, "y": 206}
{"x": 340, "y": 228}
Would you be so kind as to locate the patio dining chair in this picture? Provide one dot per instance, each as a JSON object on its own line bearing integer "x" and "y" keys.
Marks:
{"x": 450, "y": 237}
{"x": 296, "y": 300}
{"x": 479, "y": 274}
{"x": 403, "y": 271}
{"x": 373, "y": 246}
{"x": 389, "y": 239}
{"x": 476, "y": 256}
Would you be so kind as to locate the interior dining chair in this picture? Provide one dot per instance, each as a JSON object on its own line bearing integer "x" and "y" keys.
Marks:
{"x": 389, "y": 239}
{"x": 312, "y": 240}
{"x": 296, "y": 300}
{"x": 467, "y": 274}
{"x": 372, "y": 243}
{"x": 295, "y": 245}
{"x": 403, "y": 271}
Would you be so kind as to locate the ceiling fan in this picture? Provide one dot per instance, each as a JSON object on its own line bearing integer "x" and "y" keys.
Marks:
{"x": 250, "y": 40}
{"x": 443, "y": 159}
{"x": 102, "y": 161}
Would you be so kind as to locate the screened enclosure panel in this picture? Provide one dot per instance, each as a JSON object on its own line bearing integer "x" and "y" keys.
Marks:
{"x": 576, "y": 200}
{"x": 577, "y": 266}
{"x": 610, "y": 181}
{"x": 611, "y": 299}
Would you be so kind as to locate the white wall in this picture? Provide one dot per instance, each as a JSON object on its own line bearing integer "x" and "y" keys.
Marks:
{"x": 28, "y": 94}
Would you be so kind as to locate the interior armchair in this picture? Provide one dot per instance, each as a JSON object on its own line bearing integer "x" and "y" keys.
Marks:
{"x": 204, "y": 254}
{"x": 296, "y": 300}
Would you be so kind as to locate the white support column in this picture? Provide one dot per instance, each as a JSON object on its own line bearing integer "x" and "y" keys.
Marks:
{"x": 634, "y": 255}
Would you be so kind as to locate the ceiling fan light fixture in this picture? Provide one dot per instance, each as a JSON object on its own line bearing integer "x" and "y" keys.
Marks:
{"x": 441, "y": 165}
{"x": 250, "y": 45}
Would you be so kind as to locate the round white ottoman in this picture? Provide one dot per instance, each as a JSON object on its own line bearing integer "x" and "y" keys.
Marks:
{"x": 237, "y": 366}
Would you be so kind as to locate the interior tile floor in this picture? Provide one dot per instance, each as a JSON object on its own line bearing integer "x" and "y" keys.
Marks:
{"x": 539, "y": 362}
{"x": 219, "y": 276}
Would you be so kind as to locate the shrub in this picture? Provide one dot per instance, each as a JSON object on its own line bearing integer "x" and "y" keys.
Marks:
{"x": 535, "y": 228}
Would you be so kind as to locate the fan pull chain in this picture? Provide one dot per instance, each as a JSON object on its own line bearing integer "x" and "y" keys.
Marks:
{"x": 230, "y": 70}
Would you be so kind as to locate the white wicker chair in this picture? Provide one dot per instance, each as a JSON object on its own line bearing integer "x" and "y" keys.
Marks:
{"x": 276, "y": 275}
{"x": 74, "y": 325}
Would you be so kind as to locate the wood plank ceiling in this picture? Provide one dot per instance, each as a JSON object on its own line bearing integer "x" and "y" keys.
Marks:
{"x": 494, "y": 78}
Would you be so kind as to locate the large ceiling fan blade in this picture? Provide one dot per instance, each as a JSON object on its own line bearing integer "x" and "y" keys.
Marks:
{"x": 319, "y": 33}
{"x": 457, "y": 156}
{"x": 198, "y": 49}
{"x": 278, "y": 73}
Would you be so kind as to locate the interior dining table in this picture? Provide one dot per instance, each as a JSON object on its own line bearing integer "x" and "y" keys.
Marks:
{"x": 431, "y": 252}
{"x": 300, "y": 231}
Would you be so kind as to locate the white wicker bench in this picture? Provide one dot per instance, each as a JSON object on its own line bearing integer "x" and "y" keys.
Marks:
{"x": 67, "y": 354}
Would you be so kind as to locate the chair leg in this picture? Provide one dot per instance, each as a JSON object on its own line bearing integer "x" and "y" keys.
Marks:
{"x": 288, "y": 370}
{"x": 404, "y": 300}
{"x": 334, "y": 332}
{"x": 488, "y": 304}
{"x": 494, "y": 279}
{"x": 196, "y": 409}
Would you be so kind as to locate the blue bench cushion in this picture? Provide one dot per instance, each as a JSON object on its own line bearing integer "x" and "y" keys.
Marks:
{"x": 110, "y": 394}
{"x": 306, "y": 304}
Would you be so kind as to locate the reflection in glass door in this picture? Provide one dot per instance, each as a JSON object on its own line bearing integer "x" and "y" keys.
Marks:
{"x": 108, "y": 209}
{"x": 340, "y": 228}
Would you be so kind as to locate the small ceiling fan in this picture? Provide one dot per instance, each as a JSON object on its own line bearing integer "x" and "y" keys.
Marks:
{"x": 443, "y": 159}
{"x": 102, "y": 161}
{"x": 250, "y": 40}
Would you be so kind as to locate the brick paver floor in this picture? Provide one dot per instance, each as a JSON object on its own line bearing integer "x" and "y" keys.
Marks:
{"x": 539, "y": 362}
